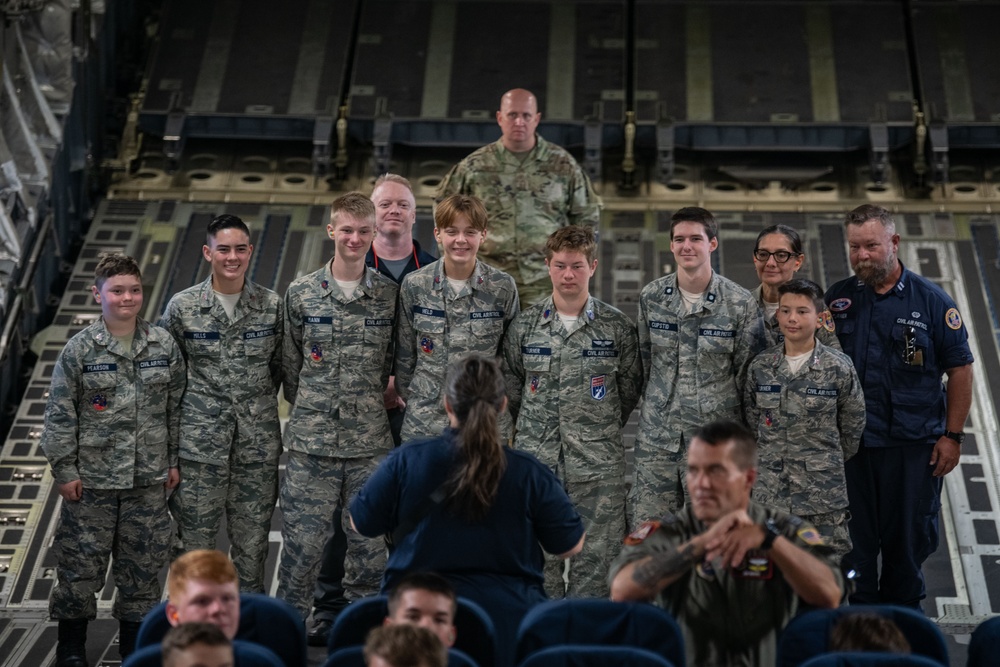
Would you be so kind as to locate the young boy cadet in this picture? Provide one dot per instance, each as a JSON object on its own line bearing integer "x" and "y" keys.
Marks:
{"x": 111, "y": 431}
{"x": 806, "y": 409}
{"x": 448, "y": 309}
{"x": 229, "y": 330}
{"x": 573, "y": 378}
{"x": 336, "y": 362}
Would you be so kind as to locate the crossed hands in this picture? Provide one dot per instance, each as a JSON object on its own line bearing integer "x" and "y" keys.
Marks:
{"x": 731, "y": 537}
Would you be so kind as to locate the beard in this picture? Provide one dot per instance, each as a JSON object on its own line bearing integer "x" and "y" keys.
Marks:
{"x": 874, "y": 274}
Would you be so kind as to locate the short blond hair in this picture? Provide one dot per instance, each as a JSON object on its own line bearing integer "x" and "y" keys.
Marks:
{"x": 354, "y": 204}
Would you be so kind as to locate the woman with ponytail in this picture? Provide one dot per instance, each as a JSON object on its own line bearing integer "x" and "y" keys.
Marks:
{"x": 467, "y": 507}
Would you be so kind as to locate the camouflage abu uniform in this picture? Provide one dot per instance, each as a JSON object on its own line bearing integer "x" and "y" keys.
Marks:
{"x": 806, "y": 425}
{"x": 826, "y": 334}
{"x": 571, "y": 393}
{"x": 112, "y": 422}
{"x": 437, "y": 326}
{"x": 230, "y": 436}
{"x": 527, "y": 200}
{"x": 694, "y": 366}
{"x": 729, "y": 616}
{"x": 335, "y": 366}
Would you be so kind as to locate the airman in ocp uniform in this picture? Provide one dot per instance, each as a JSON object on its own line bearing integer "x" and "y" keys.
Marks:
{"x": 530, "y": 188}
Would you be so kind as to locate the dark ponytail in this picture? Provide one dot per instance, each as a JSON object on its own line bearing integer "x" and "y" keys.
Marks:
{"x": 475, "y": 391}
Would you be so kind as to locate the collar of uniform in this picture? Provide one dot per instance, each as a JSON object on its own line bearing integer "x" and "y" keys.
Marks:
{"x": 776, "y": 354}
{"x": 709, "y": 298}
{"x": 898, "y": 290}
{"x": 104, "y": 337}
{"x": 249, "y": 297}
{"x": 368, "y": 281}
{"x": 475, "y": 281}
{"x": 326, "y": 282}
{"x": 539, "y": 152}
{"x": 549, "y": 313}
{"x": 817, "y": 351}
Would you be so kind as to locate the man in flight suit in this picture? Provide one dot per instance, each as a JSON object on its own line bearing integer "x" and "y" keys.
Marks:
{"x": 732, "y": 572}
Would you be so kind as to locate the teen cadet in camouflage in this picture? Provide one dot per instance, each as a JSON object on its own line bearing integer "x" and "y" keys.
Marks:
{"x": 574, "y": 377}
{"x": 336, "y": 362}
{"x": 229, "y": 330}
{"x": 448, "y": 309}
{"x": 111, "y": 429}
{"x": 530, "y": 188}
{"x": 698, "y": 333}
{"x": 804, "y": 404}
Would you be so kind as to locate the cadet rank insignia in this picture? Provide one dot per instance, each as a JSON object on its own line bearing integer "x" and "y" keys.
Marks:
{"x": 534, "y": 384}
{"x": 427, "y": 345}
{"x": 324, "y": 284}
{"x": 953, "y": 319}
{"x": 642, "y": 532}
{"x": 316, "y": 352}
{"x": 598, "y": 390}
{"x": 100, "y": 402}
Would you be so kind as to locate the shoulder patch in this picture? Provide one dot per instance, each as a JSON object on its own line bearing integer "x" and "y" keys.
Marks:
{"x": 810, "y": 536}
{"x": 840, "y": 305}
{"x": 642, "y": 532}
{"x": 953, "y": 319}
{"x": 826, "y": 320}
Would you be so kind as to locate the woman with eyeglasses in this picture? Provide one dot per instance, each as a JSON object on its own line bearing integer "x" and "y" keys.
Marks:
{"x": 777, "y": 255}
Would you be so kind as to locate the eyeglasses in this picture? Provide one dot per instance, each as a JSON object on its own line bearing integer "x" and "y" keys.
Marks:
{"x": 780, "y": 256}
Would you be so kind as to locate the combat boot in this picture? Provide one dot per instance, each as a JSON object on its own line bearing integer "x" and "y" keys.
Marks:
{"x": 71, "y": 651}
{"x": 127, "y": 632}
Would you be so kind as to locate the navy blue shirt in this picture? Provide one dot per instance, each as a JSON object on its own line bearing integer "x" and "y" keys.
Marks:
{"x": 495, "y": 562}
{"x": 901, "y": 343}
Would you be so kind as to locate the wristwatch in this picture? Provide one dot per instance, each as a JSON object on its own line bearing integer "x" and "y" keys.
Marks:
{"x": 957, "y": 437}
{"x": 771, "y": 533}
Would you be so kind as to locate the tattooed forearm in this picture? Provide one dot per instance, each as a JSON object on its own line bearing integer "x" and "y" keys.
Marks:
{"x": 660, "y": 566}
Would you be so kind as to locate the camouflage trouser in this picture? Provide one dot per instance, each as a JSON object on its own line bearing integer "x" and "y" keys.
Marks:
{"x": 247, "y": 493}
{"x": 133, "y": 526}
{"x": 601, "y": 504}
{"x": 660, "y": 487}
{"x": 310, "y": 491}
{"x": 832, "y": 527}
